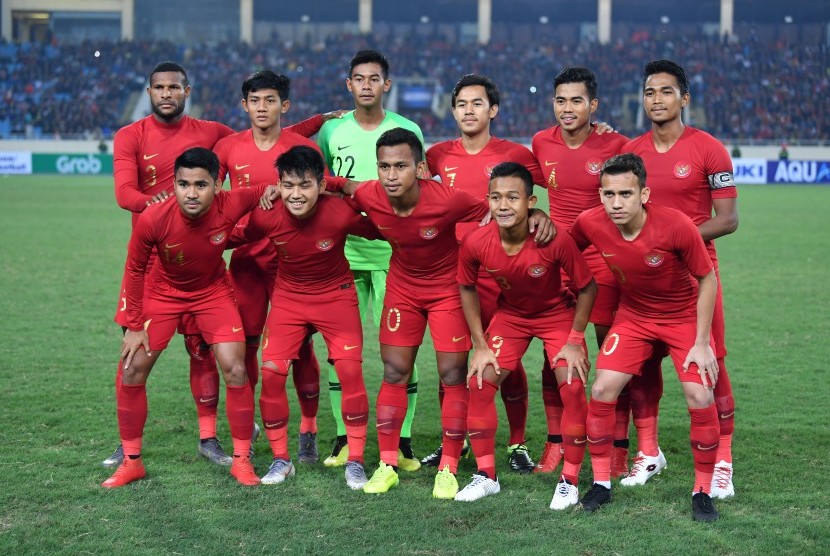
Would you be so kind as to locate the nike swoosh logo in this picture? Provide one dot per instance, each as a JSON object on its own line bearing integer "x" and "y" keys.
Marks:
{"x": 207, "y": 400}
{"x": 171, "y": 245}
{"x": 350, "y": 418}
{"x": 312, "y": 396}
{"x": 475, "y": 433}
{"x": 241, "y": 166}
{"x": 491, "y": 269}
{"x": 385, "y": 227}
{"x": 515, "y": 399}
{"x": 578, "y": 441}
{"x": 235, "y": 329}
{"x": 550, "y": 163}
{"x": 608, "y": 255}
{"x": 272, "y": 425}
{"x": 149, "y": 156}
{"x": 347, "y": 348}
{"x": 280, "y": 242}
{"x": 706, "y": 448}
{"x": 448, "y": 169}
{"x": 456, "y": 339}
{"x": 594, "y": 441}
{"x": 339, "y": 148}
{"x": 727, "y": 415}
{"x": 384, "y": 424}
{"x": 454, "y": 434}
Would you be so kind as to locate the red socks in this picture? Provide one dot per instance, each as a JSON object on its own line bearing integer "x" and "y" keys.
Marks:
{"x": 599, "y": 426}
{"x": 725, "y": 404}
{"x": 131, "y": 401}
{"x": 252, "y": 364}
{"x": 204, "y": 383}
{"x": 514, "y": 396}
{"x": 646, "y": 391}
{"x": 704, "y": 436}
{"x": 482, "y": 422}
{"x": 239, "y": 406}
{"x": 573, "y": 428}
{"x": 273, "y": 407}
{"x": 391, "y": 411}
{"x": 454, "y": 422}
{"x": 354, "y": 406}
{"x": 553, "y": 403}
{"x": 306, "y": 373}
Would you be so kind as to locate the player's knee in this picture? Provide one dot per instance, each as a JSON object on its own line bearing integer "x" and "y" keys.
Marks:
{"x": 453, "y": 376}
{"x": 604, "y": 391}
{"x": 698, "y": 397}
{"x": 395, "y": 372}
{"x": 236, "y": 374}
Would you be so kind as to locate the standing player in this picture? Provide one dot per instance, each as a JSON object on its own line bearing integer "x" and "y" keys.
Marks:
{"x": 189, "y": 277}
{"x": 692, "y": 172}
{"x": 144, "y": 153}
{"x": 571, "y": 156}
{"x": 534, "y": 302}
{"x": 348, "y": 146}
{"x": 314, "y": 290}
{"x": 465, "y": 164}
{"x": 248, "y": 158}
{"x": 652, "y": 251}
{"x": 418, "y": 218}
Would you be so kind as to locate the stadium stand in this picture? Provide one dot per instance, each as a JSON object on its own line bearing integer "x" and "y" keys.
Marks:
{"x": 749, "y": 91}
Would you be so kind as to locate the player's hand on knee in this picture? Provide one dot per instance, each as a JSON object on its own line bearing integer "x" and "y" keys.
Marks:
{"x": 707, "y": 364}
{"x": 481, "y": 359}
{"x": 132, "y": 342}
{"x": 577, "y": 360}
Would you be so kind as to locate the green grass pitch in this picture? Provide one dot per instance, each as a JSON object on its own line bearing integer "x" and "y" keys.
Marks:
{"x": 63, "y": 248}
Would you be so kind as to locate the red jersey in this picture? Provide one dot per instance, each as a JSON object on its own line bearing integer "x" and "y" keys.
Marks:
{"x": 689, "y": 175}
{"x": 654, "y": 269}
{"x": 145, "y": 151}
{"x": 530, "y": 280}
{"x": 310, "y": 250}
{"x": 572, "y": 175}
{"x": 471, "y": 172}
{"x": 190, "y": 251}
{"x": 424, "y": 247}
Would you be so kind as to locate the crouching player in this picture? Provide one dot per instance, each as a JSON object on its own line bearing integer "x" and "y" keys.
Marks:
{"x": 533, "y": 303}
{"x": 314, "y": 290}
{"x": 652, "y": 251}
{"x": 190, "y": 237}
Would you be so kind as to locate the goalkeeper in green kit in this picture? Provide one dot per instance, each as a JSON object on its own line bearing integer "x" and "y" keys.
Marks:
{"x": 348, "y": 146}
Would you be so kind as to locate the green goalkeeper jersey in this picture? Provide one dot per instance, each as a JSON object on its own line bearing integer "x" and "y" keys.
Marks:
{"x": 350, "y": 151}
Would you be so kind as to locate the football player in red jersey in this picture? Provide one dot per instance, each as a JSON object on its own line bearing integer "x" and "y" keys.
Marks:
{"x": 667, "y": 296}
{"x": 248, "y": 159}
{"x": 534, "y": 302}
{"x": 465, "y": 163}
{"x": 143, "y": 157}
{"x": 188, "y": 277}
{"x": 570, "y": 155}
{"x": 689, "y": 170}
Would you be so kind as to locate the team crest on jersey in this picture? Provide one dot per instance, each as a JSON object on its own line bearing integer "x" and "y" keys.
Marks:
{"x": 653, "y": 259}
{"x": 536, "y": 270}
{"x": 682, "y": 169}
{"x": 593, "y": 166}
{"x": 428, "y": 232}
{"x": 218, "y": 238}
{"x": 325, "y": 244}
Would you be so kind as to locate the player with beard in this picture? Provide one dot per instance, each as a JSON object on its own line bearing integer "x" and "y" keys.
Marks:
{"x": 465, "y": 163}
{"x": 690, "y": 171}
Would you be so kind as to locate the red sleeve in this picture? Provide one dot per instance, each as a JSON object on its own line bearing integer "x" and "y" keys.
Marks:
{"x": 529, "y": 161}
{"x": 244, "y": 200}
{"x": 578, "y": 234}
{"x": 307, "y": 127}
{"x": 571, "y": 259}
{"x": 432, "y": 161}
{"x": 468, "y": 263}
{"x": 335, "y": 183}
{"x": 125, "y": 172}
{"x": 363, "y": 227}
{"x": 691, "y": 249}
{"x": 468, "y": 208}
{"x": 141, "y": 245}
{"x": 221, "y": 149}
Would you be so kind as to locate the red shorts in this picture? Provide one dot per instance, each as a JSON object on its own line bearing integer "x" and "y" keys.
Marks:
{"x": 252, "y": 277}
{"x": 509, "y": 336}
{"x": 629, "y": 343}
{"x": 334, "y": 314}
{"x": 187, "y": 325}
{"x": 213, "y": 309}
{"x": 608, "y": 290}
{"x": 406, "y": 314}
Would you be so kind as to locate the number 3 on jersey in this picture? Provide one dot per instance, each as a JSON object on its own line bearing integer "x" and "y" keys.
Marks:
{"x": 340, "y": 163}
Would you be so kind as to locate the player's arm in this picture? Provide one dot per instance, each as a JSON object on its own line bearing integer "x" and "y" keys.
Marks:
{"x": 701, "y": 352}
{"x": 312, "y": 125}
{"x": 467, "y": 276}
{"x": 125, "y": 173}
{"x": 725, "y": 220}
{"x": 140, "y": 247}
{"x": 362, "y": 226}
{"x": 254, "y": 229}
{"x": 538, "y": 221}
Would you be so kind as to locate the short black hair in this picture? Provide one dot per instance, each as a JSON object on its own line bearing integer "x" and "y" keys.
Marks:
{"x": 577, "y": 74}
{"x": 471, "y": 80}
{"x": 299, "y": 161}
{"x": 513, "y": 170}
{"x": 267, "y": 79}
{"x": 169, "y": 66}
{"x": 198, "y": 157}
{"x": 400, "y": 136}
{"x": 622, "y": 164}
{"x": 672, "y": 68}
{"x": 370, "y": 57}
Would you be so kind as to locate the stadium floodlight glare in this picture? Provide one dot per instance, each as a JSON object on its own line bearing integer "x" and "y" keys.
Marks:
{"x": 305, "y": 18}
{"x": 664, "y": 19}
{"x": 788, "y": 19}
{"x": 533, "y": 88}
{"x": 543, "y": 19}
{"x": 424, "y": 19}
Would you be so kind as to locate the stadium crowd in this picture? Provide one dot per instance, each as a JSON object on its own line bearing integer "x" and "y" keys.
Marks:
{"x": 752, "y": 90}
